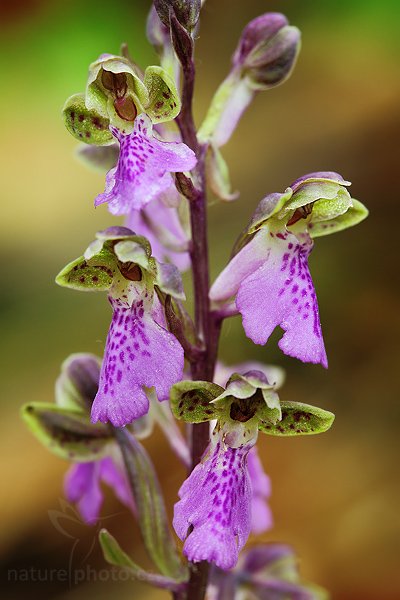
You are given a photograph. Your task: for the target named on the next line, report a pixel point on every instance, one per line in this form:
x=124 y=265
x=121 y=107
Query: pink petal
x=139 y=352
x=281 y=292
x=143 y=169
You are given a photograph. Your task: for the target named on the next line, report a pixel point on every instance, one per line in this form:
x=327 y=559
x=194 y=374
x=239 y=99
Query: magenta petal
x=261 y=516
x=161 y=226
x=216 y=500
x=81 y=486
x=143 y=169
x=250 y=258
x=281 y=292
x=138 y=353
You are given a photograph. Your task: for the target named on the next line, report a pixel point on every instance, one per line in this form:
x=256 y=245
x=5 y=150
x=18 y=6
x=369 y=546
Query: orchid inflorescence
x=159 y=364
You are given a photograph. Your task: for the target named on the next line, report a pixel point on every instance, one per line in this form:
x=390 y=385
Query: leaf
x=152 y=517
x=67 y=433
x=164 y=102
x=116 y=556
x=86 y=125
x=297 y=419
x=191 y=400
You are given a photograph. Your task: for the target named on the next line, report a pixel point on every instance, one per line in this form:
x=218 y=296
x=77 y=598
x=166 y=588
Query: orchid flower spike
x=269 y=277
x=140 y=352
x=213 y=514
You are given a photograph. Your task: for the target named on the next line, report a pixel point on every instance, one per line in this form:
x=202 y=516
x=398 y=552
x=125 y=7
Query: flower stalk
x=206 y=328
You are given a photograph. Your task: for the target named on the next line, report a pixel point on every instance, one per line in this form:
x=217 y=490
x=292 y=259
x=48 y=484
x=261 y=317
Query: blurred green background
x=335 y=498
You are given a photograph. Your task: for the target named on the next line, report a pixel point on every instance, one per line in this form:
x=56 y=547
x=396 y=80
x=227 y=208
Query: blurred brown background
x=334 y=497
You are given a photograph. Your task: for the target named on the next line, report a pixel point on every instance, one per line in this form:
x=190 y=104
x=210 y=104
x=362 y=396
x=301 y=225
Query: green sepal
x=85 y=276
x=354 y=215
x=218 y=175
x=67 y=433
x=297 y=419
x=183 y=317
x=86 y=125
x=103 y=100
x=268 y=207
x=77 y=384
x=100 y=158
x=151 y=512
x=114 y=555
x=164 y=102
x=191 y=401
x=328 y=199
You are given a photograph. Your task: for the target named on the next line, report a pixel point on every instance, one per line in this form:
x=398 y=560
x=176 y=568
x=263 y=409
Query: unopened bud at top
x=157 y=33
x=267 y=50
x=186 y=11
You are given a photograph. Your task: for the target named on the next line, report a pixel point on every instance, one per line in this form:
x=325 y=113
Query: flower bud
x=157 y=32
x=186 y=11
x=267 y=50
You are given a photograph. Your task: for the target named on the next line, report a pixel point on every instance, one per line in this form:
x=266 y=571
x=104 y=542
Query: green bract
x=152 y=516
x=117 y=557
x=218 y=175
x=86 y=124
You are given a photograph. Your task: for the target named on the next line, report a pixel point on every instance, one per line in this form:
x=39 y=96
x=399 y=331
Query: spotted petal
x=144 y=168
x=216 y=501
x=139 y=352
x=281 y=292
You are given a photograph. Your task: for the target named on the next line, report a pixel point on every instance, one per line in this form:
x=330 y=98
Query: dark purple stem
x=207 y=326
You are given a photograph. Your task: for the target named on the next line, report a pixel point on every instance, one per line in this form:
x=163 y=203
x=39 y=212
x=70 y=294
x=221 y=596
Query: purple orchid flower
x=269 y=275
x=261 y=514
x=144 y=168
x=216 y=501
x=140 y=352
x=82 y=487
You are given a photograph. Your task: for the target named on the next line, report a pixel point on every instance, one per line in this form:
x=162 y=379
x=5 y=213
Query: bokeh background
x=335 y=497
